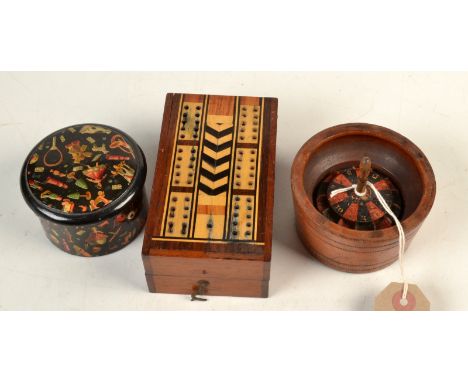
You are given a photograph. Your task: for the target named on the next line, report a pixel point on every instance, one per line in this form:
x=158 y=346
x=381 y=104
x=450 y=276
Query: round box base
x=101 y=238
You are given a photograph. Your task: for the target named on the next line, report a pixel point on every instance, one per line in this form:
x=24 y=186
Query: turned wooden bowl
x=393 y=155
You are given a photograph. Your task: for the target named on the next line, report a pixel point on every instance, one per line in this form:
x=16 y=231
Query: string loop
x=401 y=232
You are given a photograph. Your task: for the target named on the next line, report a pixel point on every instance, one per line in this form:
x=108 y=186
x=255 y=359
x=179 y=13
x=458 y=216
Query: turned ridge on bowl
x=394 y=156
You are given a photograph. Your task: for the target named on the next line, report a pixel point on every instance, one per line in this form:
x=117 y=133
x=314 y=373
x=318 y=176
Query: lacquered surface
x=85 y=182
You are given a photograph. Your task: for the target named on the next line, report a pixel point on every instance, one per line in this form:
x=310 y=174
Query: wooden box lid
x=212 y=195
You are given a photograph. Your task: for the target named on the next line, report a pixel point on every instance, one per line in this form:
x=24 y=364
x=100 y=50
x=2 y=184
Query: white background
x=246 y=35
x=431 y=109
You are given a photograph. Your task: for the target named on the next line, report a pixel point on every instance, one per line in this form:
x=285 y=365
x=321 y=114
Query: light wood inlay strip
x=260 y=143
x=163 y=224
x=198 y=165
x=203 y=240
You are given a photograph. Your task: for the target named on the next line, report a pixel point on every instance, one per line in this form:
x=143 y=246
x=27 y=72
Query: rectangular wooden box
x=211 y=210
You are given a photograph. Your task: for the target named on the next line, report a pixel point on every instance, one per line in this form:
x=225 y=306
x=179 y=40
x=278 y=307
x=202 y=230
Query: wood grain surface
x=348 y=249
x=213 y=190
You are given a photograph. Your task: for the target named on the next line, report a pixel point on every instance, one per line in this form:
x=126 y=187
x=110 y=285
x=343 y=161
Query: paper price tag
x=391 y=298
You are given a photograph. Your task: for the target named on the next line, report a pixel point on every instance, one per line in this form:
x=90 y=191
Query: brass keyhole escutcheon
x=199 y=289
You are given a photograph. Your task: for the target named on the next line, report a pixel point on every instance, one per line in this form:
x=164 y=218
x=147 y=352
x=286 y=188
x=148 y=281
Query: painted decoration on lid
x=81 y=168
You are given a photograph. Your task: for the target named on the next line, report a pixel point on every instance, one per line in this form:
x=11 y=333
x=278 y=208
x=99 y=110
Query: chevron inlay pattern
x=213 y=188
x=216 y=156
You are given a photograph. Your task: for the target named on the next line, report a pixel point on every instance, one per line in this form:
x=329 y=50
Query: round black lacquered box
x=85 y=182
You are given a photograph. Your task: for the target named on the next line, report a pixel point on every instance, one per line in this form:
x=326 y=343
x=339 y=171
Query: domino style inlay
x=213 y=189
